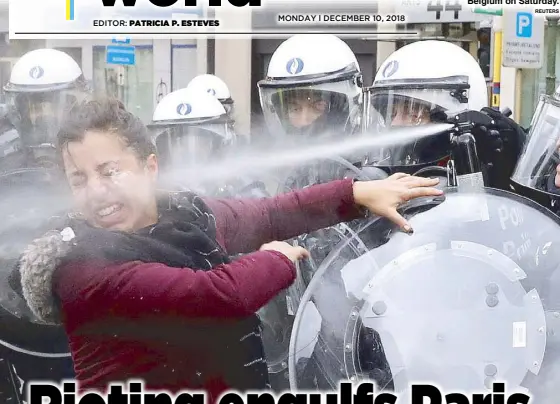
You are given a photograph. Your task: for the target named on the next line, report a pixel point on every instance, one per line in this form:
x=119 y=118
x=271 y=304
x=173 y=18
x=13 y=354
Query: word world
x=348 y=393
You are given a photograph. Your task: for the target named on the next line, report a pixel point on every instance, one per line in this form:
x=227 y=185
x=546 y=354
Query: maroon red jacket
x=95 y=296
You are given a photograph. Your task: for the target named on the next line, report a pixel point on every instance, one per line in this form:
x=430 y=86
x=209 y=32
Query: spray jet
x=301 y=153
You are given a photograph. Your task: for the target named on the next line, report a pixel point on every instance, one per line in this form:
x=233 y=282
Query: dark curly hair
x=107 y=115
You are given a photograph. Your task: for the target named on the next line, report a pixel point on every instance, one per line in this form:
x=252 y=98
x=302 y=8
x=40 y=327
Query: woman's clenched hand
x=293 y=253
x=383 y=197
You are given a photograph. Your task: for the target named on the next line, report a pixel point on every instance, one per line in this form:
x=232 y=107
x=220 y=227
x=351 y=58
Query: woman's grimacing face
x=111 y=186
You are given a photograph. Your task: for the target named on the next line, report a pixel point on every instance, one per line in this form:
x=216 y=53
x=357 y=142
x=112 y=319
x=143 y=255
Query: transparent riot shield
x=320 y=171
x=31 y=202
x=277 y=319
x=471 y=297
x=537 y=173
x=321 y=242
x=279 y=314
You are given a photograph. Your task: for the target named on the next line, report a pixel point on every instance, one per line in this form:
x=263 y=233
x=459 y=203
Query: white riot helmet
x=44 y=85
x=190 y=127
x=423 y=76
x=412 y=83
x=214 y=86
x=313 y=87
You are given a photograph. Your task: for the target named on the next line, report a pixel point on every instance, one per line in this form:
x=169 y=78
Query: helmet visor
x=312 y=111
x=398 y=103
x=183 y=146
x=538 y=166
x=38 y=116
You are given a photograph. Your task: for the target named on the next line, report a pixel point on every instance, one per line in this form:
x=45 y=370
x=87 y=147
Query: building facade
x=164 y=65
x=161 y=66
x=533 y=81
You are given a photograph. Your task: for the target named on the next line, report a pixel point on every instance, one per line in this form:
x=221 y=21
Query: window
x=133 y=85
x=534 y=84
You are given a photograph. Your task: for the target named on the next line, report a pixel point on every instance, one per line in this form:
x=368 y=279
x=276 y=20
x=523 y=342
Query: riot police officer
x=313 y=92
x=414 y=82
x=445 y=84
x=44 y=84
x=218 y=88
x=191 y=128
x=537 y=174
x=408 y=92
x=537 y=177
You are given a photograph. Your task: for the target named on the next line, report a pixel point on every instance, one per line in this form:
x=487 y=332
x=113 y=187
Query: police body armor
x=470 y=298
x=33 y=199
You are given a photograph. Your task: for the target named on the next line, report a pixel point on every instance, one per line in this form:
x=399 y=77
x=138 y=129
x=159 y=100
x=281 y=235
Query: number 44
x=450 y=5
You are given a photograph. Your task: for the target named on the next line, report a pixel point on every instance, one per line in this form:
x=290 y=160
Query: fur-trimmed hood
x=185 y=235
x=36 y=269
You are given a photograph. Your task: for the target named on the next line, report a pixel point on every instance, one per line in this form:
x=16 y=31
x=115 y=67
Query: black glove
x=511 y=139
x=511 y=132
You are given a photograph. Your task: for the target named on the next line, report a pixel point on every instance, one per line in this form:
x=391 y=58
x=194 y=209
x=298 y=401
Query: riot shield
x=277 y=319
x=32 y=200
x=321 y=242
x=278 y=315
x=471 y=297
x=320 y=171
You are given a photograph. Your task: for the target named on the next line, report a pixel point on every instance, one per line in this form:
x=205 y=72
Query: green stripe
x=487 y=10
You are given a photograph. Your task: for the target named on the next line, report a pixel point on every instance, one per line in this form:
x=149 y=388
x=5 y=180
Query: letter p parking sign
x=524 y=25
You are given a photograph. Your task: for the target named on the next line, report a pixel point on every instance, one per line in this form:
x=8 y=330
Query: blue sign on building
x=124 y=41
x=524 y=25
x=121 y=55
